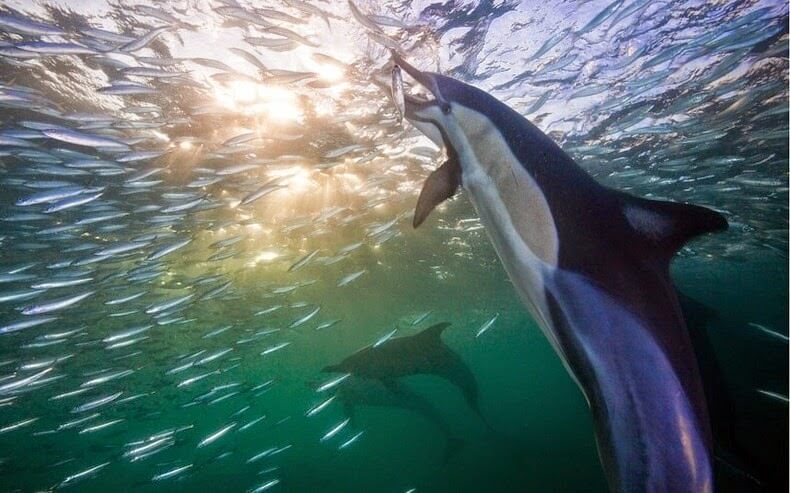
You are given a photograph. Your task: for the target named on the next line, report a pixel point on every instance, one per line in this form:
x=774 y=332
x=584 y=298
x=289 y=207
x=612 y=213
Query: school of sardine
x=187 y=187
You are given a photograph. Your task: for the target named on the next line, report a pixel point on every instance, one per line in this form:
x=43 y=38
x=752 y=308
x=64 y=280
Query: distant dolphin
x=423 y=353
x=358 y=391
x=592 y=266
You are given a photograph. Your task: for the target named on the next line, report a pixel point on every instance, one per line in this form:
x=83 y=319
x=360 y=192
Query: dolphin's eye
x=445 y=108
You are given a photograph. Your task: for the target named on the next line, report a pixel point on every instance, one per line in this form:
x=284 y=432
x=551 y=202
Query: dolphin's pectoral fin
x=440 y=186
x=670 y=225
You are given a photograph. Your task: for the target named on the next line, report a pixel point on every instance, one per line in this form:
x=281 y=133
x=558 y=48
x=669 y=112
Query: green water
x=262 y=133
x=543 y=432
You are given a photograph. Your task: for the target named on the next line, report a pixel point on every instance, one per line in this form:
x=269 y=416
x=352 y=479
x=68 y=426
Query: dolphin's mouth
x=415 y=104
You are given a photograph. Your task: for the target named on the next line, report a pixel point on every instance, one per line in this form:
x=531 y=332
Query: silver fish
x=100 y=426
x=362 y=18
x=83 y=474
x=26 y=26
x=171 y=473
x=57 y=304
x=216 y=435
x=101 y=401
x=18 y=384
x=303 y=261
x=25 y=324
x=46 y=48
x=335 y=430
x=265 y=486
x=72 y=202
x=397 y=92
x=252 y=423
x=304 y=319
x=144 y=40
x=168 y=249
x=483 y=328
x=332 y=383
x=351 y=440
x=274 y=348
x=348 y=279
x=84 y=139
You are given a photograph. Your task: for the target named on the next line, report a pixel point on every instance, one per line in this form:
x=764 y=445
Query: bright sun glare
x=276 y=103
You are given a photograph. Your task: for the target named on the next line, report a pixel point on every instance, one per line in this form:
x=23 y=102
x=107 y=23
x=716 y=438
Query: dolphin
x=422 y=353
x=359 y=391
x=591 y=264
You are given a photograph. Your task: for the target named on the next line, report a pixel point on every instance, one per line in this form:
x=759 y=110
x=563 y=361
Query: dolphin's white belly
x=515 y=214
x=526 y=271
x=518 y=221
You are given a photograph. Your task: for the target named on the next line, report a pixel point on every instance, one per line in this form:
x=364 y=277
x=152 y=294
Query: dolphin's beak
x=442 y=183
x=425 y=79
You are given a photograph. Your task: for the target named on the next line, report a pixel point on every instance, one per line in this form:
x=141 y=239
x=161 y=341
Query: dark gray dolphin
x=592 y=266
x=423 y=353
x=736 y=464
x=369 y=392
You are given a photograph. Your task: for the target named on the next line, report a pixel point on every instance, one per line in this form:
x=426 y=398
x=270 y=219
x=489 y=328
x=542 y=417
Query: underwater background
x=204 y=203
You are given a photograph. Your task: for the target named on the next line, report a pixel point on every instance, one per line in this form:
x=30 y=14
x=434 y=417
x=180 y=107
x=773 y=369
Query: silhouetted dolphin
x=359 y=391
x=592 y=266
x=741 y=470
x=423 y=353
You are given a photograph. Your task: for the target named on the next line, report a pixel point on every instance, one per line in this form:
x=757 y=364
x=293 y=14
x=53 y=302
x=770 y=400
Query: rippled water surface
x=204 y=203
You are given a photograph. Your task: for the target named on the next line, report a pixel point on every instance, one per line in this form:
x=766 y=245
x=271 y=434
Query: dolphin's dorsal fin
x=670 y=225
x=439 y=186
x=433 y=334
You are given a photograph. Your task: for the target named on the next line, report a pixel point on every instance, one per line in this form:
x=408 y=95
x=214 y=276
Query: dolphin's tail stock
x=448 y=365
x=470 y=393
